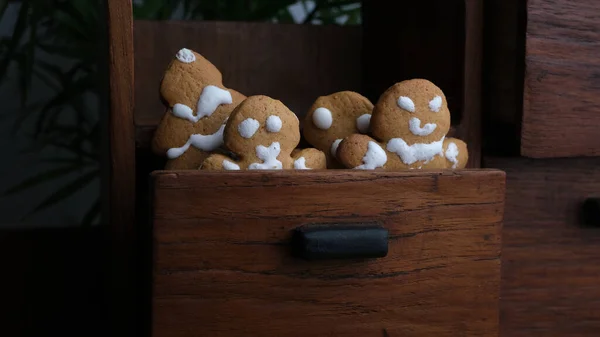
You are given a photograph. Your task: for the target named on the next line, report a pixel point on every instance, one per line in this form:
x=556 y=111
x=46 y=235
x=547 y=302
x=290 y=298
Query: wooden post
x=120 y=170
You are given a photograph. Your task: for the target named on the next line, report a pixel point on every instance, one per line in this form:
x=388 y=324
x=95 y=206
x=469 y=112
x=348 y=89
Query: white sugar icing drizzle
x=185 y=55
x=414 y=125
x=300 y=164
x=229 y=166
x=452 y=154
x=406 y=103
x=334 y=147
x=322 y=118
x=199 y=141
x=374 y=158
x=363 y=122
x=435 y=104
x=409 y=154
x=210 y=99
x=269 y=157
x=248 y=127
x=274 y=123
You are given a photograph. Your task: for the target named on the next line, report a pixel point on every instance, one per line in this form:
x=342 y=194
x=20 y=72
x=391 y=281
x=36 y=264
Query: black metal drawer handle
x=340 y=241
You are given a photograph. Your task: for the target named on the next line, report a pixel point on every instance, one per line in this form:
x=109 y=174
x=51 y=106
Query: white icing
x=248 y=127
x=269 y=157
x=452 y=154
x=406 y=103
x=199 y=141
x=374 y=158
x=410 y=154
x=322 y=118
x=435 y=104
x=414 y=125
x=184 y=112
x=334 y=147
x=230 y=166
x=363 y=122
x=209 y=101
x=274 y=123
x=300 y=164
x=185 y=55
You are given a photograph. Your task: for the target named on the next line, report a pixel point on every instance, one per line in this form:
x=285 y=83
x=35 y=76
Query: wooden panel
x=120 y=167
x=449 y=27
x=222 y=266
x=293 y=63
x=561 y=115
x=550 y=266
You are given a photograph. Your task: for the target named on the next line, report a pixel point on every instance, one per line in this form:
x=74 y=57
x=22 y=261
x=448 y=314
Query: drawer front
x=222 y=263
x=549 y=259
x=561 y=116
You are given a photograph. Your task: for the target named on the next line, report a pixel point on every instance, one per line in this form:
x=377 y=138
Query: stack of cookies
x=208 y=126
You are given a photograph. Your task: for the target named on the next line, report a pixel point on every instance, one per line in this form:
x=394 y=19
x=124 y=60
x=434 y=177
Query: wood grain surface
x=222 y=266
x=550 y=267
x=120 y=168
x=452 y=28
x=292 y=63
x=561 y=113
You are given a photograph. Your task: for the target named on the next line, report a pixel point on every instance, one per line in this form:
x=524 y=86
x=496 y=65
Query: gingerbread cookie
x=263 y=134
x=198 y=107
x=409 y=125
x=333 y=117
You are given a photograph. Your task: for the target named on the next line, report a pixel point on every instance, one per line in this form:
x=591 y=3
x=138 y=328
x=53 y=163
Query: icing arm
x=219 y=162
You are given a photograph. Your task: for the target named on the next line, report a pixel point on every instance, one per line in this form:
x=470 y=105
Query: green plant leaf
x=92 y=214
x=66 y=191
x=41 y=178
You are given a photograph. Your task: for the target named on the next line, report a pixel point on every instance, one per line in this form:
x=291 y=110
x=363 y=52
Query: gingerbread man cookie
x=409 y=125
x=198 y=107
x=263 y=133
x=333 y=117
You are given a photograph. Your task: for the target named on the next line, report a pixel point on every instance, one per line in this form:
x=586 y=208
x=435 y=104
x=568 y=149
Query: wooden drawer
x=561 y=115
x=550 y=267
x=222 y=262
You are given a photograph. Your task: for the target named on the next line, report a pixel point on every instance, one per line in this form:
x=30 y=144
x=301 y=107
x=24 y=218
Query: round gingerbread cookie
x=334 y=117
x=263 y=133
x=409 y=124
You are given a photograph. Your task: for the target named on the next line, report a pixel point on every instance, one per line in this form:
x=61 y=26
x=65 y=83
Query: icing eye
x=435 y=104
x=274 y=123
x=406 y=103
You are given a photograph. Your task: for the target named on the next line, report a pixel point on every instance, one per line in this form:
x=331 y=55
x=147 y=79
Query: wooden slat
x=121 y=167
x=293 y=63
x=222 y=266
x=561 y=114
x=550 y=263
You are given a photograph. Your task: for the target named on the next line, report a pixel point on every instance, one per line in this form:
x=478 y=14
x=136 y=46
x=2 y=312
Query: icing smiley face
x=414 y=110
x=409 y=126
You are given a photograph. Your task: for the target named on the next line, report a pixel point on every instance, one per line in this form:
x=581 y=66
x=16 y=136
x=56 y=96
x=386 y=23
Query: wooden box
x=223 y=263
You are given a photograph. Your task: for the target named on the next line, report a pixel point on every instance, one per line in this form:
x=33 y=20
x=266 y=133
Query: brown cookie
x=409 y=125
x=263 y=132
x=333 y=117
x=198 y=107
